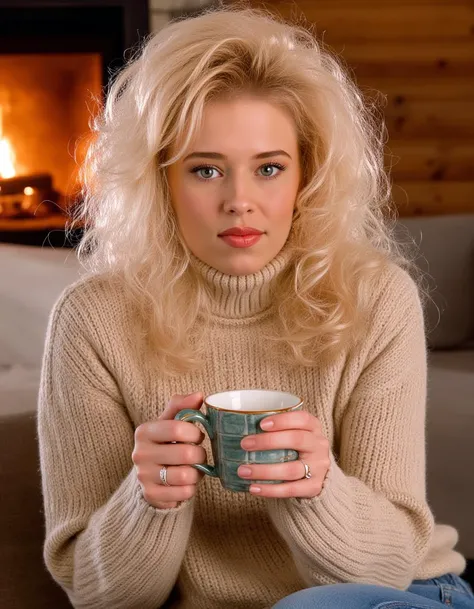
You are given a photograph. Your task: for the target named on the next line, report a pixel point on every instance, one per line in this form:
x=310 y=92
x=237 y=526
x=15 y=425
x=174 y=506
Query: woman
x=233 y=205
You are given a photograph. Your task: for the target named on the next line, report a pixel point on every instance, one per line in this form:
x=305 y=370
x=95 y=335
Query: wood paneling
x=433 y=159
x=364 y=3
x=434 y=197
x=414 y=60
x=420 y=55
x=406 y=88
x=386 y=22
x=422 y=118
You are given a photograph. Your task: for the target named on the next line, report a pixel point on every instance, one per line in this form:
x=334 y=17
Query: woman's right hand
x=153 y=450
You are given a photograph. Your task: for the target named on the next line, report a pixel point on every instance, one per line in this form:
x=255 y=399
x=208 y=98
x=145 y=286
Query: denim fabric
x=448 y=590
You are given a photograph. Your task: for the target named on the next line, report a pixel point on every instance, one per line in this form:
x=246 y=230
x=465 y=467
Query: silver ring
x=163 y=475
x=307 y=471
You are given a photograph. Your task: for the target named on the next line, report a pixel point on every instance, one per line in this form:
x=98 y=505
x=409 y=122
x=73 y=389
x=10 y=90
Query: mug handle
x=195 y=416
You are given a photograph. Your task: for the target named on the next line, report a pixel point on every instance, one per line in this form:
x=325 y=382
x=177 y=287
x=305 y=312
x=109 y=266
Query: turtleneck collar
x=239 y=297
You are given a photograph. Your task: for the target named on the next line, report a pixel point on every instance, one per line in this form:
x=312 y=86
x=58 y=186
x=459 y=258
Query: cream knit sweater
x=221 y=550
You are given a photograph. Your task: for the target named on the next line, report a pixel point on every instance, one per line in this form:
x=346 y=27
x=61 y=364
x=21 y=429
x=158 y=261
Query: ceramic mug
x=232 y=415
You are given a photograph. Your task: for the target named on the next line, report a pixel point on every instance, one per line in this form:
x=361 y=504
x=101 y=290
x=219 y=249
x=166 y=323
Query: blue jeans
x=448 y=590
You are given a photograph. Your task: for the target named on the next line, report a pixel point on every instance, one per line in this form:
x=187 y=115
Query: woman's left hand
x=300 y=431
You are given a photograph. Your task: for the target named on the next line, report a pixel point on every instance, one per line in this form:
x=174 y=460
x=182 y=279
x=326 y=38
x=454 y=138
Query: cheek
x=182 y=201
x=283 y=204
x=191 y=209
x=183 y=197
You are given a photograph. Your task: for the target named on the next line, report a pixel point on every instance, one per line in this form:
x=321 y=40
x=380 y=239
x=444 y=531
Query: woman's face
x=234 y=190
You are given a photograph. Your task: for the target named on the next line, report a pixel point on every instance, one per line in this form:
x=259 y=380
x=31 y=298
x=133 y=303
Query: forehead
x=244 y=124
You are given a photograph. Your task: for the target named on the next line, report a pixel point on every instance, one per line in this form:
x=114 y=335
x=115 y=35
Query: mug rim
x=266 y=412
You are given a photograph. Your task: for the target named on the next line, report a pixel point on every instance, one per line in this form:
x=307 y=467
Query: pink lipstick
x=241 y=236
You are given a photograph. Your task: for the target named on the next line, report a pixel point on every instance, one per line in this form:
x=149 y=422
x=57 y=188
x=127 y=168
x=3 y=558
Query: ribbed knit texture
x=221 y=550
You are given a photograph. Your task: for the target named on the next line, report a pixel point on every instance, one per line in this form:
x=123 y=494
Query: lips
x=241 y=231
x=241 y=237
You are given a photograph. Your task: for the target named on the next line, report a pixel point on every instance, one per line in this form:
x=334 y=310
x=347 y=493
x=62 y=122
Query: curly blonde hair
x=339 y=240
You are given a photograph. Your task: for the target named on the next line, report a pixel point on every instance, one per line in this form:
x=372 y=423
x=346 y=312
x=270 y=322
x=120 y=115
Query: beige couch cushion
x=31 y=279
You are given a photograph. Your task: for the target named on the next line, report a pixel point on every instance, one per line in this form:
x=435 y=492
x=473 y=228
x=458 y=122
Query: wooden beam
x=368 y=3
x=418 y=87
x=434 y=197
x=450 y=119
x=439 y=159
x=419 y=59
x=382 y=21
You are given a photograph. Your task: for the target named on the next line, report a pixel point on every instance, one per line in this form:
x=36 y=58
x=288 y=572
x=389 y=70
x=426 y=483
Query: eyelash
x=195 y=170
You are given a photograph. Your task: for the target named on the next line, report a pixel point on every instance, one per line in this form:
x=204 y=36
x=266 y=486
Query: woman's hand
x=153 y=450
x=300 y=431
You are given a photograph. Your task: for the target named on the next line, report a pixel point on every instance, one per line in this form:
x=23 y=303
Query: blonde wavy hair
x=339 y=239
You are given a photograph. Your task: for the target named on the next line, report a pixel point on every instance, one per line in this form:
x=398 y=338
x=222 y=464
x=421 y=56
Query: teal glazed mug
x=232 y=415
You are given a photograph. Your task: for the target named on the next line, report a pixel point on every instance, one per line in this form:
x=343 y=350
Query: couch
x=32 y=278
x=445 y=254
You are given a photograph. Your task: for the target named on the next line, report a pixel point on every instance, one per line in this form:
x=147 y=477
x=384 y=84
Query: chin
x=241 y=265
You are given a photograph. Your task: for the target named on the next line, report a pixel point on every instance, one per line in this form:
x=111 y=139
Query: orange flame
x=7 y=156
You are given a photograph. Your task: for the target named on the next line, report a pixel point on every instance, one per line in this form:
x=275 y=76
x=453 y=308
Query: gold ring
x=307 y=471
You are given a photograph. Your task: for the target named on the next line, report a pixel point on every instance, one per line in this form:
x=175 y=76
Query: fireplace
x=56 y=59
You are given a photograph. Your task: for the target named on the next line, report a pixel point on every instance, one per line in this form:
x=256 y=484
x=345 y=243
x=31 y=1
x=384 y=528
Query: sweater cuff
x=130 y=492
x=142 y=504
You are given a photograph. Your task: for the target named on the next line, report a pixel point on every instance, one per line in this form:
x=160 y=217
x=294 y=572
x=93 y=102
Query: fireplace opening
x=45 y=105
x=55 y=63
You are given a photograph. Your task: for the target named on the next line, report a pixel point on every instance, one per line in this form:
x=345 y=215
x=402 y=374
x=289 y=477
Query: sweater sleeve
x=371 y=522
x=105 y=545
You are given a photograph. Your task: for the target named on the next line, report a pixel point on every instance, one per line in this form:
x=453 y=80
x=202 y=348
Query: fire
x=7 y=156
x=7 y=159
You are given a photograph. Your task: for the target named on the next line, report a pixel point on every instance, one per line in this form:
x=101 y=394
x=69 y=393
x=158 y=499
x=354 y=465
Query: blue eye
x=267 y=171
x=271 y=166
x=204 y=172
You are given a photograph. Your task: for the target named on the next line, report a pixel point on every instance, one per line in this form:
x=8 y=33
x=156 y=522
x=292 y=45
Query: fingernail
x=248 y=443
x=255 y=489
x=244 y=471
x=192 y=397
x=266 y=424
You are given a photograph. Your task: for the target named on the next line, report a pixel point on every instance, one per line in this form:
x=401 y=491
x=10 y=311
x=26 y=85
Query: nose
x=237 y=200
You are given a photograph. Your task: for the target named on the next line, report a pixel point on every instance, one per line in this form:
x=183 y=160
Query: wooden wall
x=420 y=54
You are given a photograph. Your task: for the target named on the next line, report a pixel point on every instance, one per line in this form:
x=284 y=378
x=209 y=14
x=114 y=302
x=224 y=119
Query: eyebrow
x=222 y=157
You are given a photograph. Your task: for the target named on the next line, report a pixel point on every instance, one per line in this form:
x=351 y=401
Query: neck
x=242 y=296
